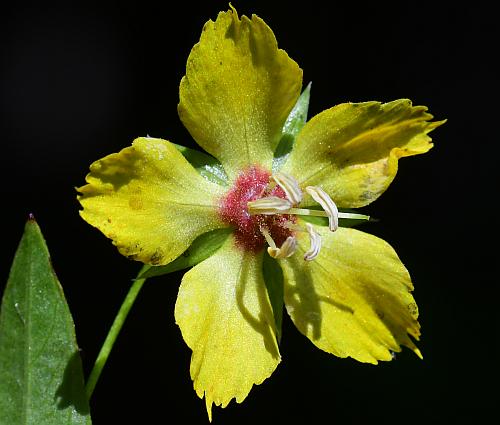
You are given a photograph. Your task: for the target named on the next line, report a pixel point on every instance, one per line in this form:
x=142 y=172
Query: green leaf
x=293 y=124
x=201 y=248
x=41 y=379
x=273 y=276
x=205 y=164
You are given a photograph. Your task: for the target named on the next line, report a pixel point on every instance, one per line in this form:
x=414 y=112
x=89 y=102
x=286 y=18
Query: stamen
x=269 y=205
x=315 y=239
x=268 y=237
x=322 y=198
x=287 y=249
x=290 y=186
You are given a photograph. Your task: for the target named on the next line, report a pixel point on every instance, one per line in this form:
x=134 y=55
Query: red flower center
x=253 y=184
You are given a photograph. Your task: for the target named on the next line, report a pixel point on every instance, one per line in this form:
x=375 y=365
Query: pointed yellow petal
x=226 y=318
x=352 y=149
x=354 y=299
x=149 y=200
x=238 y=90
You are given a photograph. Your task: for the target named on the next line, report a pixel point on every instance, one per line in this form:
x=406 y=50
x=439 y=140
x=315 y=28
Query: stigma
x=263 y=209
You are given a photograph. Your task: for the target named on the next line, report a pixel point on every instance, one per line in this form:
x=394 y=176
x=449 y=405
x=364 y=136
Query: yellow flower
x=345 y=290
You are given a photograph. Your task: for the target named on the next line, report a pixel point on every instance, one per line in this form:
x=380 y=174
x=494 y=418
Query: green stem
x=113 y=333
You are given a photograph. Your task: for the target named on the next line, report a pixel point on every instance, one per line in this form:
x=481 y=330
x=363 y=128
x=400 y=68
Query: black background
x=80 y=80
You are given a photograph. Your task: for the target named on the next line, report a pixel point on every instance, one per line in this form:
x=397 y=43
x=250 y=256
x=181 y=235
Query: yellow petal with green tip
x=238 y=90
x=354 y=299
x=226 y=318
x=352 y=149
x=149 y=200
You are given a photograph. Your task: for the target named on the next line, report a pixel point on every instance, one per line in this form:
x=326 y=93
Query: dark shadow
x=257 y=54
x=232 y=31
x=380 y=129
x=71 y=392
x=260 y=323
x=397 y=316
x=304 y=299
x=399 y=319
x=114 y=171
x=273 y=278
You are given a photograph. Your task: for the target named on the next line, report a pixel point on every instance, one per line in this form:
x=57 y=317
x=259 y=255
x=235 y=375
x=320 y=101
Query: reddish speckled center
x=250 y=185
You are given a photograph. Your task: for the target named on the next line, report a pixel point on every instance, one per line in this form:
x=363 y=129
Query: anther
x=322 y=198
x=286 y=250
x=269 y=205
x=290 y=186
x=315 y=240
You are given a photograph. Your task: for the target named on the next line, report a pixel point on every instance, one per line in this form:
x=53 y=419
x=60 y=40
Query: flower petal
x=352 y=149
x=149 y=200
x=238 y=90
x=226 y=318
x=354 y=299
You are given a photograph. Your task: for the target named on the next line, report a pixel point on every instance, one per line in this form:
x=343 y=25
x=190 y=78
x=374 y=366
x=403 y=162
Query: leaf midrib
x=28 y=326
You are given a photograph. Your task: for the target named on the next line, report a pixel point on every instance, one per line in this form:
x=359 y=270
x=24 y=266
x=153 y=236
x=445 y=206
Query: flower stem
x=113 y=333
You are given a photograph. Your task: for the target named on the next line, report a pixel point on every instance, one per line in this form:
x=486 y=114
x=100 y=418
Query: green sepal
x=273 y=276
x=350 y=222
x=205 y=164
x=201 y=248
x=41 y=378
x=318 y=221
x=293 y=124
